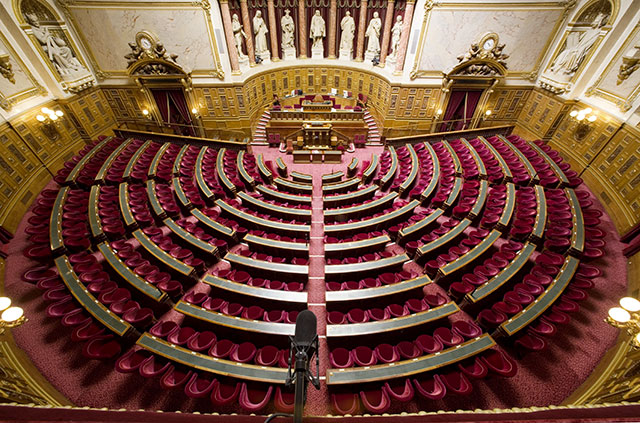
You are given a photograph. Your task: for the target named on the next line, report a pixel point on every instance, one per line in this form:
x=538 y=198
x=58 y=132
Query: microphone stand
x=302 y=374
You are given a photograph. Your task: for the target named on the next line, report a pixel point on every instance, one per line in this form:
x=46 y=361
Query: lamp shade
x=5 y=302
x=619 y=314
x=630 y=304
x=12 y=314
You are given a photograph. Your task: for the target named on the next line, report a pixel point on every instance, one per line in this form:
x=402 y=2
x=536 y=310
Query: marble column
x=389 y=20
x=228 y=34
x=273 y=34
x=333 y=16
x=246 y=23
x=362 y=25
x=302 y=30
x=404 y=37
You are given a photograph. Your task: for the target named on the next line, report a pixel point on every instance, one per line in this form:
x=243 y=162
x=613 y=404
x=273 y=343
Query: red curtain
x=180 y=103
x=455 y=100
x=162 y=102
x=473 y=97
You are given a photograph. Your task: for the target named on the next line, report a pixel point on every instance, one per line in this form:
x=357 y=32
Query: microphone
x=306 y=328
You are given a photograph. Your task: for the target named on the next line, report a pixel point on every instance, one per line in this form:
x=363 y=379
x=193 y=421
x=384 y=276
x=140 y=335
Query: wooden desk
x=273 y=209
x=134 y=159
x=73 y=175
x=367 y=209
x=202 y=184
x=353 y=167
x=405 y=368
x=377 y=292
x=552 y=164
x=435 y=177
x=237 y=323
x=191 y=241
x=283 y=196
x=372 y=224
x=509 y=207
x=411 y=178
x=130 y=276
x=125 y=210
x=153 y=168
x=282 y=167
x=220 y=230
x=178 y=160
x=387 y=178
x=534 y=310
x=95 y=223
x=370 y=171
x=293 y=187
x=482 y=198
x=207 y=363
x=341 y=271
x=255 y=292
x=335 y=176
x=454 y=233
x=265 y=224
x=456 y=160
x=416 y=230
x=345 y=199
x=523 y=159
x=292 y=270
x=578 y=233
x=302 y=178
x=102 y=173
x=482 y=170
x=508 y=176
x=453 y=196
x=162 y=256
x=470 y=256
x=340 y=249
x=56 y=241
x=340 y=187
x=280 y=248
x=154 y=202
x=397 y=323
x=541 y=215
x=222 y=176
x=183 y=200
x=98 y=310
x=493 y=284
x=264 y=170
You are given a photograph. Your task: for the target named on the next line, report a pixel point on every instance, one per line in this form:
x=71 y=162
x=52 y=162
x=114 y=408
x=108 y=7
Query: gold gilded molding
x=430 y=5
x=36 y=90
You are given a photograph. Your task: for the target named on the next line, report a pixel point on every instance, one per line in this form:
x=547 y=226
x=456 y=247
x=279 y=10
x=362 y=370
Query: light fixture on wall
x=627 y=316
x=584 y=118
x=10 y=317
x=146 y=114
x=195 y=112
x=48 y=120
x=487 y=114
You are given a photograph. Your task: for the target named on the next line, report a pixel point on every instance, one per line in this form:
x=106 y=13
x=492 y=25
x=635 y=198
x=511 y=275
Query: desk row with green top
x=482 y=170
x=376 y=267
x=506 y=171
x=442 y=241
x=102 y=173
x=177 y=266
x=370 y=170
x=274 y=209
x=374 y=223
x=564 y=181
x=263 y=224
x=283 y=197
x=334 y=177
x=191 y=241
x=222 y=175
x=302 y=178
x=454 y=156
x=126 y=175
x=56 y=241
x=387 y=178
x=153 y=167
x=242 y=171
x=366 y=209
x=299 y=272
x=95 y=223
x=264 y=171
x=470 y=256
x=533 y=175
x=75 y=172
x=430 y=189
x=348 y=198
x=341 y=186
x=277 y=247
x=413 y=174
x=293 y=187
x=377 y=292
x=204 y=188
x=357 y=247
x=125 y=209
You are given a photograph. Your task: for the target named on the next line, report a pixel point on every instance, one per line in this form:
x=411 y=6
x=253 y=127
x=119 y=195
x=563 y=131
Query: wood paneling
x=540 y=111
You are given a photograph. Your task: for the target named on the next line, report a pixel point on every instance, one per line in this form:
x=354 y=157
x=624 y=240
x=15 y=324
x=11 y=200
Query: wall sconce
x=49 y=119
x=627 y=316
x=146 y=114
x=195 y=112
x=487 y=114
x=11 y=316
x=630 y=63
x=584 y=118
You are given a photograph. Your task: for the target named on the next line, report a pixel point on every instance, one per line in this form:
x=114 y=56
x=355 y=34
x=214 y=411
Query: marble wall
x=526 y=30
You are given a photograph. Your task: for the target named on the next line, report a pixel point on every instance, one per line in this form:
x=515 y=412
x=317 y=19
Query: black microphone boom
x=304 y=345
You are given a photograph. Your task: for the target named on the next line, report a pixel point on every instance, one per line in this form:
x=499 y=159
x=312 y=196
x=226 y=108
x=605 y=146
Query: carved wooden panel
x=506 y=103
x=92 y=112
x=539 y=112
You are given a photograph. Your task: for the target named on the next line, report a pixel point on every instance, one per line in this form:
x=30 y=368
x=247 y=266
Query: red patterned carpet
x=543 y=378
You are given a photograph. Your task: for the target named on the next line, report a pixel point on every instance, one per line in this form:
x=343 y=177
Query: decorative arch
x=588 y=12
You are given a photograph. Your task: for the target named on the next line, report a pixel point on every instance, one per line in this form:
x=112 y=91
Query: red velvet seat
x=155 y=366
x=223 y=348
x=132 y=360
x=203 y=341
x=244 y=353
x=430 y=388
x=408 y=350
x=175 y=376
x=340 y=358
x=531 y=342
x=364 y=356
x=457 y=383
x=447 y=337
x=101 y=348
x=267 y=356
x=375 y=401
x=253 y=398
x=283 y=400
x=386 y=353
x=199 y=386
x=473 y=367
x=499 y=363
x=86 y=332
x=399 y=389
x=345 y=403
x=223 y=394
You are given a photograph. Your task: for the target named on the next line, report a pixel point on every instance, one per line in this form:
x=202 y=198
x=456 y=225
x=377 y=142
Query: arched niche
x=53 y=43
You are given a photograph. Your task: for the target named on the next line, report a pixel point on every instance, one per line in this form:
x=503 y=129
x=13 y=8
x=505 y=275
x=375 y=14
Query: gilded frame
x=7 y=102
x=102 y=74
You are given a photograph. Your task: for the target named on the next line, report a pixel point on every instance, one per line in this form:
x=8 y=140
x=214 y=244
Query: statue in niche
x=60 y=55
x=396 y=32
x=373 y=32
x=260 y=31
x=317 y=31
x=348 y=26
x=288 y=43
x=577 y=46
x=238 y=35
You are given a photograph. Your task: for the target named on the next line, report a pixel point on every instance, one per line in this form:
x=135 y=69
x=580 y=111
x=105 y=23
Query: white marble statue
x=60 y=55
x=396 y=32
x=348 y=26
x=288 y=26
x=577 y=47
x=317 y=30
x=238 y=35
x=373 y=32
x=260 y=32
